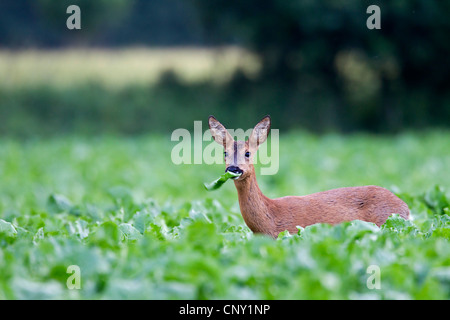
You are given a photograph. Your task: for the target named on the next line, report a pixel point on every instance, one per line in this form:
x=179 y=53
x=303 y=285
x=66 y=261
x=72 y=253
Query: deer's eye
x=225 y=154
x=247 y=154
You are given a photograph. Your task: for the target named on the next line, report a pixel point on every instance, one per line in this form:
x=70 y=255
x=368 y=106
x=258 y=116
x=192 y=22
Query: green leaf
x=141 y=219
x=58 y=203
x=107 y=235
x=443 y=232
x=284 y=235
x=397 y=224
x=78 y=228
x=7 y=228
x=39 y=235
x=216 y=184
x=436 y=199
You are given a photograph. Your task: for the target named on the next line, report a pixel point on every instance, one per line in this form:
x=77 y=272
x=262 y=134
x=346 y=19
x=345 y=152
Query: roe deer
x=271 y=216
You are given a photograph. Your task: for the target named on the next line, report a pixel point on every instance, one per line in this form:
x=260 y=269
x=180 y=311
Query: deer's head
x=239 y=154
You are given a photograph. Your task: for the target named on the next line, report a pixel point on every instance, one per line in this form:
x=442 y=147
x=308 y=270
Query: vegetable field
x=136 y=226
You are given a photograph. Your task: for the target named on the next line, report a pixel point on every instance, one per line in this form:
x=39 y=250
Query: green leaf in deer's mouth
x=216 y=184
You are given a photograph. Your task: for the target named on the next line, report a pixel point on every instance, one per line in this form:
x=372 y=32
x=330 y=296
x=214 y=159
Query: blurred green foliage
x=141 y=227
x=42 y=23
x=321 y=68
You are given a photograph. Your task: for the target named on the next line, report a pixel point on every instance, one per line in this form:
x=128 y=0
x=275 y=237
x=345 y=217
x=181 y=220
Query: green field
x=138 y=226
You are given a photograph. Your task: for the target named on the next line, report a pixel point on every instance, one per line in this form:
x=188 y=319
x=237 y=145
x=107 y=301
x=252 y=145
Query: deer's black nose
x=234 y=170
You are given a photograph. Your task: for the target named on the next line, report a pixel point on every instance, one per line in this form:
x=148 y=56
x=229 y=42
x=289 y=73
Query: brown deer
x=272 y=216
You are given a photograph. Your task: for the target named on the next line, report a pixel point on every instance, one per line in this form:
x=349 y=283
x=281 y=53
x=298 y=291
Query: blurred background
x=153 y=66
x=86 y=117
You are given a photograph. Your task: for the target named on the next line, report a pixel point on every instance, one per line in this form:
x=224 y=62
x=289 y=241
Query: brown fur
x=272 y=216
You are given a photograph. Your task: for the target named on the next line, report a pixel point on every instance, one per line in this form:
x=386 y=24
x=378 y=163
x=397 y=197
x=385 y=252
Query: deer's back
x=368 y=203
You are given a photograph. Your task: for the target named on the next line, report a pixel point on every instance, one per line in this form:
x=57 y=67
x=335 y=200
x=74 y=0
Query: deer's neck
x=254 y=205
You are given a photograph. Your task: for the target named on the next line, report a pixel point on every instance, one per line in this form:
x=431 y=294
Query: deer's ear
x=260 y=132
x=219 y=132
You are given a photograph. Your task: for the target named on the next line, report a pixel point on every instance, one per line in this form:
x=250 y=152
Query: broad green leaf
x=141 y=219
x=216 y=184
x=79 y=228
x=437 y=200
